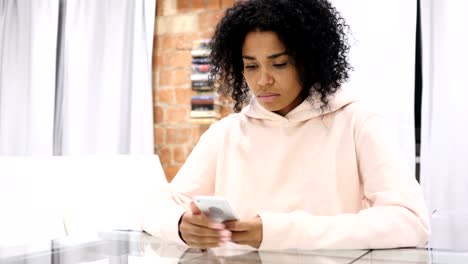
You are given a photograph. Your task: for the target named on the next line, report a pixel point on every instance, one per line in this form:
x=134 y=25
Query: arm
x=197 y=176
x=397 y=216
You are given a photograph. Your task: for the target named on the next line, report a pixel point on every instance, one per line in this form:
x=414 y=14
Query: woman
x=302 y=162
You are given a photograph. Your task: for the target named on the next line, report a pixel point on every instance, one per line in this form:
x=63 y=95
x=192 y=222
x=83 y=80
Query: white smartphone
x=216 y=208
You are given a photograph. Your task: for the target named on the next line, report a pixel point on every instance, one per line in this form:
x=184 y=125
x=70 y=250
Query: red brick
x=159 y=9
x=189 y=149
x=198 y=4
x=165 y=77
x=227 y=3
x=183 y=96
x=165 y=59
x=162 y=77
x=207 y=34
x=178 y=135
x=180 y=59
x=213 y=4
x=185 y=41
x=197 y=133
x=166 y=42
x=158 y=115
x=201 y=130
x=180 y=77
x=179 y=155
x=208 y=20
x=159 y=136
x=165 y=96
x=158 y=62
x=171 y=171
x=177 y=77
x=165 y=155
x=154 y=81
x=183 y=6
x=155 y=43
x=177 y=115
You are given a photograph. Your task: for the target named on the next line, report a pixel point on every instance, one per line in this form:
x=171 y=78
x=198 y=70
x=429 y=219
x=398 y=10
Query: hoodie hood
x=308 y=109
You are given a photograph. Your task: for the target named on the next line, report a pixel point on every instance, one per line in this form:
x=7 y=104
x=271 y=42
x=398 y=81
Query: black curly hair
x=312 y=31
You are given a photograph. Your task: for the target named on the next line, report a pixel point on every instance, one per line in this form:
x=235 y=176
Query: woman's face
x=270 y=72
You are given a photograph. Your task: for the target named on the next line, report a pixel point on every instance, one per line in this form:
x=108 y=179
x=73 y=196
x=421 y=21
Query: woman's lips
x=267 y=97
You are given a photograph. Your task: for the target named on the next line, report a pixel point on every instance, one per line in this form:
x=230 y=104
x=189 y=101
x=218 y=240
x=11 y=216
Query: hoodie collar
x=308 y=109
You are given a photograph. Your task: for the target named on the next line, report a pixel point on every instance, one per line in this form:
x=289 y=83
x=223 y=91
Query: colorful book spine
x=204 y=103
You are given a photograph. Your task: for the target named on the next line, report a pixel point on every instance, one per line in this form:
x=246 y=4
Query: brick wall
x=178 y=24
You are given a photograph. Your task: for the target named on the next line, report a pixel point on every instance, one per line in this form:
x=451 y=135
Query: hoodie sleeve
x=196 y=177
x=397 y=215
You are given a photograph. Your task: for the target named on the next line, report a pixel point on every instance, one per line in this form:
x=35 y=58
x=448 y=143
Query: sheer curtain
x=383 y=41
x=75 y=77
x=104 y=104
x=444 y=140
x=28 y=38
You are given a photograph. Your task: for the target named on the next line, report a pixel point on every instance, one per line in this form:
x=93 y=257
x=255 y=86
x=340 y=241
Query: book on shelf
x=201 y=48
x=202 y=87
x=204 y=105
x=202 y=101
x=200 y=68
x=199 y=77
x=200 y=60
x=203 y=109
x=207 y=107
x=199 y=53
x=199 y=85
x=212 y=96
x=201 y=44
x=205 y=114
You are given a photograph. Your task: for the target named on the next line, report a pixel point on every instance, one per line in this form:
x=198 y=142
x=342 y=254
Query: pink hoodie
x=318 y=180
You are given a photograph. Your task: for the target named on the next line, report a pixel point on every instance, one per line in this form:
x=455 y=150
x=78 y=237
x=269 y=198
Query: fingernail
x=217 y=226
x=225 y=233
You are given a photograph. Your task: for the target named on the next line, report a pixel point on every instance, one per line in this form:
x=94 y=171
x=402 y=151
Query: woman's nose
x=265 y=79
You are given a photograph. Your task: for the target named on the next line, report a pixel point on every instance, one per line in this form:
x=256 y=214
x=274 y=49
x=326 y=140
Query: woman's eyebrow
x=245 y=57
x=274 y=56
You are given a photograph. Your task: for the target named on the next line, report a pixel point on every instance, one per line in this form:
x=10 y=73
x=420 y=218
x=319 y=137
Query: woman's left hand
x=246 y=232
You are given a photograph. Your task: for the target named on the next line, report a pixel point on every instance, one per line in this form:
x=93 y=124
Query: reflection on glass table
x=449 y=230
x=408 y=256
x=136 y=247
x=121 y=247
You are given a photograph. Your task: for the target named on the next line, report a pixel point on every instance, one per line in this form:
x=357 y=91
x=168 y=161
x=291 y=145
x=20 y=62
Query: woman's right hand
x=198 y=231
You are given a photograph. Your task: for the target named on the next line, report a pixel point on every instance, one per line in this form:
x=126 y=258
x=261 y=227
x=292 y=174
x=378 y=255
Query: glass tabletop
x=119 y=247
x=123 y=247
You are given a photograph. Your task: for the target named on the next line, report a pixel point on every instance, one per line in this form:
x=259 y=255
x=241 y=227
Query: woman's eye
x=251 y=67
x=280 y=65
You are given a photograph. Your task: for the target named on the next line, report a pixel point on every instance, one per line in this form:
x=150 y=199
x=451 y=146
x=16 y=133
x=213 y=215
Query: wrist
x=178 y=228
x=259 y=237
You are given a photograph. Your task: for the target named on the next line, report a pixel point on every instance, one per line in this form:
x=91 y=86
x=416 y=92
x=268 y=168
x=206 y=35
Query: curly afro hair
x=312 y=31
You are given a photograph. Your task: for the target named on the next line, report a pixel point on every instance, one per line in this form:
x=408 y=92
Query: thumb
x=194 y=209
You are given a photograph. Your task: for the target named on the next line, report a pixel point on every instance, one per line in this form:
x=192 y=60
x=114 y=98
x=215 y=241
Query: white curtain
x=75 y=77
x=383 y=41
x=28 y=38
x=444 y=138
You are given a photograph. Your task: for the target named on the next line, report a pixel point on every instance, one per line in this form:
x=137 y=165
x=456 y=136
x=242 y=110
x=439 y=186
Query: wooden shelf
x=203 y=121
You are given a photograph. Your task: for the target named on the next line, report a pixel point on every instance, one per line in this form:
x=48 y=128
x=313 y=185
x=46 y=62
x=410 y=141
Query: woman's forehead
x=264 y=44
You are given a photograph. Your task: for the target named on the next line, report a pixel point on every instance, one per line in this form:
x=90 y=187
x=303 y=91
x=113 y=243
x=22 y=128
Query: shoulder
x=357 y=117
x=351 y=107
x=225 y=123
x=370 y=123
x=359 y=112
